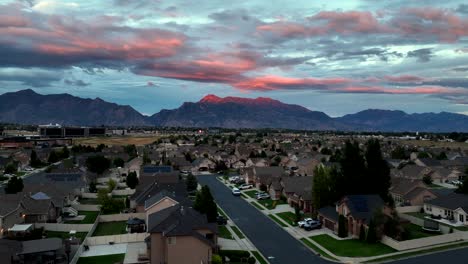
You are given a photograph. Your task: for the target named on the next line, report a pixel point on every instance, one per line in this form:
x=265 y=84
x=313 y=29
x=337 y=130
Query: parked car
x=312 y=226
x=221 y=220
x=305 y=221
x=456 y=182
x=236 y=192
x=233 y=179
x=263 y=196
x=245 y=186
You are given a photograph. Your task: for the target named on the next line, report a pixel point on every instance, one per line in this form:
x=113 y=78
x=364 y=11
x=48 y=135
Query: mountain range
x=29 y=107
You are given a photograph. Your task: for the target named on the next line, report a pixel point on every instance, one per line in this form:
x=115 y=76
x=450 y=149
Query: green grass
x=20 y=173
x=251 y=193
x=90 y=217
x=65 y=235
x=317 y=249
x=420 y=252
x=277 y=220
x=259 y=207
x=237 y=231
x=351 y=247
x=110 y=228
x=416 y=231
x=289 y=217
x=259 y=257
x=106 y=259
x=224 y=232
x=270 y=204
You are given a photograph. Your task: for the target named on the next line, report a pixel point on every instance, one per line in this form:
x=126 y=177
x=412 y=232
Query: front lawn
x=351 y=247
x=90 y=217
x=288 y=217
x=277 y=220
x=106 y=259
x=221 y=212
x=316 y=249
x=270 y=204
x=416 y=231
x=259 y=257
x=110 y=228
x=224 y=232
x=251 y=193
x=65 y=235
x=237 y=231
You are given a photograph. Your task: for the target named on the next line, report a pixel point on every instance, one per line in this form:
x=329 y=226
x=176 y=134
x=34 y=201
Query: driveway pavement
x=270 y=239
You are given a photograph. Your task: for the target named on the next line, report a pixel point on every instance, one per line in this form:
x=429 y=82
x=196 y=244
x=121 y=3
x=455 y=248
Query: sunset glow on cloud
x=134 y=51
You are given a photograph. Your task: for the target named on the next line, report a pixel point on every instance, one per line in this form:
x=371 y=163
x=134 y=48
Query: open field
x=117 y=140
x=437 y=144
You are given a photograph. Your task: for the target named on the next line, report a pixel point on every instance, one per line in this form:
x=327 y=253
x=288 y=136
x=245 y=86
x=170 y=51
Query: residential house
x=408 y=192
x=12 y=211
x=357 y=209
x=306 y=166
x=453 y=207
x=146 y=190
x=298 y=191
x=181 y=235
x=202 y=164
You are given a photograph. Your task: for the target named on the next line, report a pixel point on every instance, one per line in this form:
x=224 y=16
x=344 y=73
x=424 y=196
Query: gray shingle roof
x=451 y=201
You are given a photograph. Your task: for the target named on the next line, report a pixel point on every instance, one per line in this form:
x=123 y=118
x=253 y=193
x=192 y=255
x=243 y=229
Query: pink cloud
x=405 y=79
x=350 y=22
x=271 y=82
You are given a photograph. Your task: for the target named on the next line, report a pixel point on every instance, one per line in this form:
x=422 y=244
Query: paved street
x=275 y=243
x=459 y=256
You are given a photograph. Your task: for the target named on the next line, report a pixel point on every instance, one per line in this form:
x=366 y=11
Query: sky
x=338 y=57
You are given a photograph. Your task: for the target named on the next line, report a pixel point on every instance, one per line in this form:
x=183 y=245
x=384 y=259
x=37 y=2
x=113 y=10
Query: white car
x=236 y=192
x=457 y=182
x=245 y=186
x=305 y=221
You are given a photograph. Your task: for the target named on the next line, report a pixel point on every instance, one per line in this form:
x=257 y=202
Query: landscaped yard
x=110 y=228
x=65 y=235
x=251 y=193
x=416 y=231
x=259 y=207
x=276 y=219
x=351 y=247
x=224 y=232
x=316 y=249
x=90 y=217
x=237 y=231
x=289 y=217
x=106 y=259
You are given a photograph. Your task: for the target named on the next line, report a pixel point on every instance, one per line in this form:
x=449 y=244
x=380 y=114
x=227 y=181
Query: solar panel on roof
x=156 y=169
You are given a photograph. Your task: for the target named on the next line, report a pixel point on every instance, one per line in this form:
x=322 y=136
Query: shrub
x=216 y=259
x=342 y=226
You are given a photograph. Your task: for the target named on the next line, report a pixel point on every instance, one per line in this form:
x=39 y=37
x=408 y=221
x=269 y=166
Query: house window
x=429 y=208
x=462 y=218
x=171 y=240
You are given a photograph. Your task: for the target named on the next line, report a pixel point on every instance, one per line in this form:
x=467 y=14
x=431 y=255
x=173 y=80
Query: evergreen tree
x=371 y=232
x=362 y=233
x=34 y=160
x=342 y=232
x=132 y=180
x=119 y=162
x=191 y=183
x=378 y=173
x=97 y=164
x=353 y=169
x=65 y=153
x=53 y=157
x=205 y=204
x=14 y=185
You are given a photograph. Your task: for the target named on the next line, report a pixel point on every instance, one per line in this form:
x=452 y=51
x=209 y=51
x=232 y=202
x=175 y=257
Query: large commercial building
x=55 y=131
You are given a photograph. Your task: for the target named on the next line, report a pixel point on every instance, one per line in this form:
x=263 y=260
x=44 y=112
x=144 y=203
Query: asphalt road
x=458 y=256
x=270 y=239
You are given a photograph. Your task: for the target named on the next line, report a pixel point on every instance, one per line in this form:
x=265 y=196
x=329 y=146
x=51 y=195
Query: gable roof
x=363 y=206
x=451 y=201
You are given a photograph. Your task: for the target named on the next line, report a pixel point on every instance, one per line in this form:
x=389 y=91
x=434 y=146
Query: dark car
x=221 y=220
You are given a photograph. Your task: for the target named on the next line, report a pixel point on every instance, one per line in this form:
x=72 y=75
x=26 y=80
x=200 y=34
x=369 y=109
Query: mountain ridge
x=29 y=107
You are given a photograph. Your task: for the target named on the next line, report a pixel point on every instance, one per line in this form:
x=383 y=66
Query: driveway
x=274 y=242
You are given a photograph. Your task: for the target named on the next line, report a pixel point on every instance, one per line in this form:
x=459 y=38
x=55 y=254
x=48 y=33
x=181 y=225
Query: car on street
x=221 y=220
x=312 y=225
x=236 y=192
x=245 y=186
x=263 y=196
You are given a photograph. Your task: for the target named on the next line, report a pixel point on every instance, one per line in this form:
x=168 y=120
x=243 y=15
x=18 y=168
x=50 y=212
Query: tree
x=371 y=232
x=441 y=156
x=11 y=168
x=132 y=179
x=53 y=157
x=263 y=187
x=111 y=184
x=14 y=185
x=191 y=183
x=353 y=169
x=205 y=204
x=97 y=164
x=362 y=233
x=320 y=187
x=297 y=213
x=146 y=159
x=423 y=155
x=34 y=161
x=427 y=179
x=399 y=153
x=342 y=232
x=92 y=187
x=463 y=188
x=65 y=153
x=378 y=173
x=119 y=162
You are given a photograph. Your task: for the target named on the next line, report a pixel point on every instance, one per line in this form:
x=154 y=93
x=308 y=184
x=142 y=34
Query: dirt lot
x=438 y=144
x=116 y=141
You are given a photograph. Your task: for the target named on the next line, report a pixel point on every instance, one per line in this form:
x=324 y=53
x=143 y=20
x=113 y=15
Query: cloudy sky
x=334 y=56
